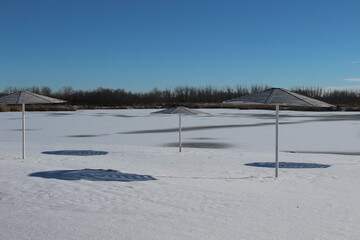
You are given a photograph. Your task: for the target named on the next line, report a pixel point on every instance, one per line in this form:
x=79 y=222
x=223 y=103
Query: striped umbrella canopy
x=25 y=97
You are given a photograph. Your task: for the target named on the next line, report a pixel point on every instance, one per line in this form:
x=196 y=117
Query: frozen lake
x=117 y=174
x=222 y=129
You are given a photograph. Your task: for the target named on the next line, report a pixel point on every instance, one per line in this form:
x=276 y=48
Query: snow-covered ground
x=117 y=174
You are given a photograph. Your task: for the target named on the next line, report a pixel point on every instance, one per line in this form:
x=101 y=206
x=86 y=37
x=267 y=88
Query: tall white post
x=23 y=131
x=179 y=132
x=277 y=143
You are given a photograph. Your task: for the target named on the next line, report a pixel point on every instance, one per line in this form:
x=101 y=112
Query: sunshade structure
x=25 y=97
x=180 y=111
x=278 y=97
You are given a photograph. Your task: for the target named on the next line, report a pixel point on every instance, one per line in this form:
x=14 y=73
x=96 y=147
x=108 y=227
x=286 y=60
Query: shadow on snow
x=86 y=135
x=76 y=152
x=93 y=175
x=200 y=145
x=287 y=165
x=327 y=152
x=325 y=118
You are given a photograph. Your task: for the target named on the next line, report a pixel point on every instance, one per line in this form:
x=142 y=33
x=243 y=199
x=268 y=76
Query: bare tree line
x=335 y=97
x=179 y=95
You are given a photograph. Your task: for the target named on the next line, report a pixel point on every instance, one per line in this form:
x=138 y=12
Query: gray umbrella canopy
x=25 y=97
x=180 y=111
x=278 y=97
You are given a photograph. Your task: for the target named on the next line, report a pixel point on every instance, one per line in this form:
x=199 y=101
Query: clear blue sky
x=141 y=44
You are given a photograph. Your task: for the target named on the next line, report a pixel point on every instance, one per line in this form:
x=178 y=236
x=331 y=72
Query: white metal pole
x=179 y=132
x=277 y=143
x=23 y=131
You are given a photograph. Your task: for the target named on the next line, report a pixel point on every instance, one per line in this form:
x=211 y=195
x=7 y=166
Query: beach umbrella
x=278 y=97
x=180 y=111
x=25 y=97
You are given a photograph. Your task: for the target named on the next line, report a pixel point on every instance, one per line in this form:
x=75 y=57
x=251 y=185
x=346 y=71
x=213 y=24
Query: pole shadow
x=87 y=135
x=287 y=165
x=327 y=152
x=76 y=152
x=93 y=175
x=214 y=145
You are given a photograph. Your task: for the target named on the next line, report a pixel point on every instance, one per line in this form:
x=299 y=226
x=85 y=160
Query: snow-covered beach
x=117 y=174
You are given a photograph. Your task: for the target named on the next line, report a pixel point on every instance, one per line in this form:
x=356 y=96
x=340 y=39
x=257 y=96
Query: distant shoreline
x=16 y=108
x=192 y=97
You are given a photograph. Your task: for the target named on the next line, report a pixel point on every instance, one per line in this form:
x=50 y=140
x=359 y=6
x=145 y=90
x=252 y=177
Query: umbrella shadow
x=123 y=116
x=76 y=152
x=287 y=165
x=60 y=114
x=92 y=175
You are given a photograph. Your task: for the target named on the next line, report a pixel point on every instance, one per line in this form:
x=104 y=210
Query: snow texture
x=117 y=174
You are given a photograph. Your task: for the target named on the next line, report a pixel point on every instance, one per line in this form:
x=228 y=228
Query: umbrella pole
x=23 y=131
x=179 y=132
x=277 y=143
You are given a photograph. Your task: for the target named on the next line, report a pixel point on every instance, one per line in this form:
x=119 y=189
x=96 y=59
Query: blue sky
x=141 y=44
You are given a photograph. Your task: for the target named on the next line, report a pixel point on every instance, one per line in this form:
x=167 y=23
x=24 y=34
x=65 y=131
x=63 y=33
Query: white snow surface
x=117 y=174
